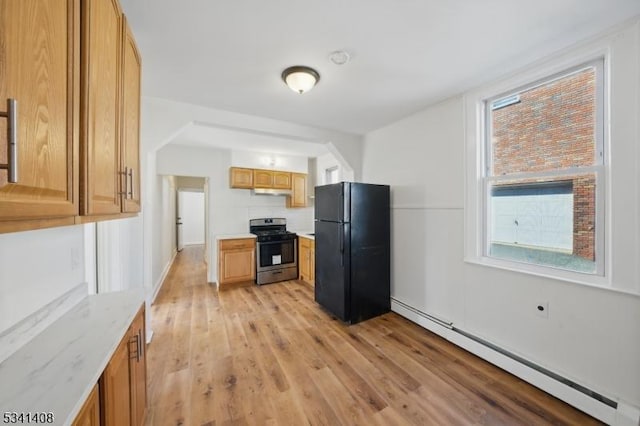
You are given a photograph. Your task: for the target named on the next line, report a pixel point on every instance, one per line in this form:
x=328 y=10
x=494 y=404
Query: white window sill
x=589 y=280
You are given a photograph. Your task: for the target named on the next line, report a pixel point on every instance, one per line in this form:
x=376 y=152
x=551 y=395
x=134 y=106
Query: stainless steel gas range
x=276 y=250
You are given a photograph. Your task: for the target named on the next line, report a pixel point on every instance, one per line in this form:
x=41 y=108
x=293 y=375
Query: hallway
x=269 y=355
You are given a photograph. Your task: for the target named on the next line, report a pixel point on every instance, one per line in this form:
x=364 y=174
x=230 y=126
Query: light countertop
x=306 y=235
x=235 y=236
x=58 y=368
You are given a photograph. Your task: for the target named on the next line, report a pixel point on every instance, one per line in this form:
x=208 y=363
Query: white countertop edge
x=306 y=235
x=57 y=370
x=234 y=236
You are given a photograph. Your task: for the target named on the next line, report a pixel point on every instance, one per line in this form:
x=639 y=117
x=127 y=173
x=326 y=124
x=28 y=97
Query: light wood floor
x=270 y=356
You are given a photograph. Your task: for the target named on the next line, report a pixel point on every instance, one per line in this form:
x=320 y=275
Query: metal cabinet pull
x=137 y=342
x=140 y=343
x=126 y=184
x=131 y=183
x=12 y=140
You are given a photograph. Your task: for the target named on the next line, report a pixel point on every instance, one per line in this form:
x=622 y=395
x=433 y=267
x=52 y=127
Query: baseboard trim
x=624 y=415
x=163 y=276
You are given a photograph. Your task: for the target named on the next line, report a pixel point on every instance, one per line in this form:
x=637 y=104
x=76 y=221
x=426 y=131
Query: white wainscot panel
x=426 y=260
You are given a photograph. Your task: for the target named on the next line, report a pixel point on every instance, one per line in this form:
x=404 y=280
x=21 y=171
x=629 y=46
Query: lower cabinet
x=121 y=397
x=307 y=259
x=115 y=391
x=90 y=412
x=236 y=261
x=138 y=369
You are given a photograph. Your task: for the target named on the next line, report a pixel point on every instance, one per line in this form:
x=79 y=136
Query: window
x=542 y=173
x=332 y=175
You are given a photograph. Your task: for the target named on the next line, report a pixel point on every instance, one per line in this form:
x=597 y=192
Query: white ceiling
x=406 y=54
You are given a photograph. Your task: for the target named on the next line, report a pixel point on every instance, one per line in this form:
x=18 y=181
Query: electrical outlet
x=542 y=309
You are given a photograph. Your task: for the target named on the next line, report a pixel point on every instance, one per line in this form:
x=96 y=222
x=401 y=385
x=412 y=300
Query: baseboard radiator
x=456 y=335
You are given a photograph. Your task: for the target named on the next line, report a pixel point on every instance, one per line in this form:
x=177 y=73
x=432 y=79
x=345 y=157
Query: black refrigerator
x=352 y=244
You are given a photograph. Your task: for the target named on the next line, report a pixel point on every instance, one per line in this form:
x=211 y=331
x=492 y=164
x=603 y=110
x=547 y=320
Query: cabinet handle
x=137 y=341
x=140 y=344
x=126 y=183
x=12 y=140
x=131 y=183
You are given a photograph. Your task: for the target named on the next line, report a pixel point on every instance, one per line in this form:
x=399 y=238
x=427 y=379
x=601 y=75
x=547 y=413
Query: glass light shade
x=300 y=79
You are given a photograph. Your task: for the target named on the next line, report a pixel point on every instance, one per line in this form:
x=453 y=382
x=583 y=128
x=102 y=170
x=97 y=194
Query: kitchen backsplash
x=297 y=219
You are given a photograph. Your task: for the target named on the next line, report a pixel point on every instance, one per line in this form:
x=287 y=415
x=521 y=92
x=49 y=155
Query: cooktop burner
x=270 y=229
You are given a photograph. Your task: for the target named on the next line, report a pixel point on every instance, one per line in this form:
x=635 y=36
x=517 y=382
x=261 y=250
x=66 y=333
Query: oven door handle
x=264 y=243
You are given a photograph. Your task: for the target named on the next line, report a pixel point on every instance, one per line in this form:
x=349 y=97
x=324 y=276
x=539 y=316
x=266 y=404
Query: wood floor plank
x=269 y=355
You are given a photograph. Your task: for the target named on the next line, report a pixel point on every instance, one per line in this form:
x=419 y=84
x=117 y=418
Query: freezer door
x=332 y=266
x=332 y=202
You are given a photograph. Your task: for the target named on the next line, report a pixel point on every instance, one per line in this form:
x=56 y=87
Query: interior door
x=179 y=223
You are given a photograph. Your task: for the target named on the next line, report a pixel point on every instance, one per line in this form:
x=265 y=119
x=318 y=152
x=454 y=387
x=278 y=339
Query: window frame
x=477 y=202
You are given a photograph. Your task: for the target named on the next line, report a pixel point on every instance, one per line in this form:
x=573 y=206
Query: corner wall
x=592 y=335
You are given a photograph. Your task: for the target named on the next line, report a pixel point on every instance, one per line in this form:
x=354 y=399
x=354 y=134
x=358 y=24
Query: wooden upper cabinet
x=39 y=68
x=131 y=69
x=298 y=197
x=101 y=178
x=282 y=180
x=240 y=178
x=262 y=178
x=258 y=178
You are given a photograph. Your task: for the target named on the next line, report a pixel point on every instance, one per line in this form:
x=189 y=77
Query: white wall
x=163 y=221
x=229 y=209
x=592 y=335
x=261 y=160
x=327 y=161
x=191 y=211
x=37 y=267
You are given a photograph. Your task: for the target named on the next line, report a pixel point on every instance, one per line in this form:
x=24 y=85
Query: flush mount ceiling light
x=300 y=79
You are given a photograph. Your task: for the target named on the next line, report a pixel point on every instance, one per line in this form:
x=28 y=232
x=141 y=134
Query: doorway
x=191 y=212
x=190 y=218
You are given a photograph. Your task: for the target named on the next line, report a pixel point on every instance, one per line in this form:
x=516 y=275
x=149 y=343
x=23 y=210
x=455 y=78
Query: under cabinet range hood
x=272 y=191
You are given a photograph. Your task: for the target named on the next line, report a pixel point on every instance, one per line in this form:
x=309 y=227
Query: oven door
x=276 y=255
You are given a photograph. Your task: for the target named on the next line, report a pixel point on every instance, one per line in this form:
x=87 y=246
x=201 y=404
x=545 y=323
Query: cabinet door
x=303 y=258
x=131 y=66
x=115 y=392
x=236 y=265
x=138 y=369
x=39 y=68
x=282 y=180
x=89 y=414
x=298 y=198
x=100 y=131
x=262 y=178
x=312 y=262
x=241 y=178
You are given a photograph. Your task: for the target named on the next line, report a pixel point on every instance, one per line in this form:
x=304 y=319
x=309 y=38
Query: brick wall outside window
x=553 y=127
